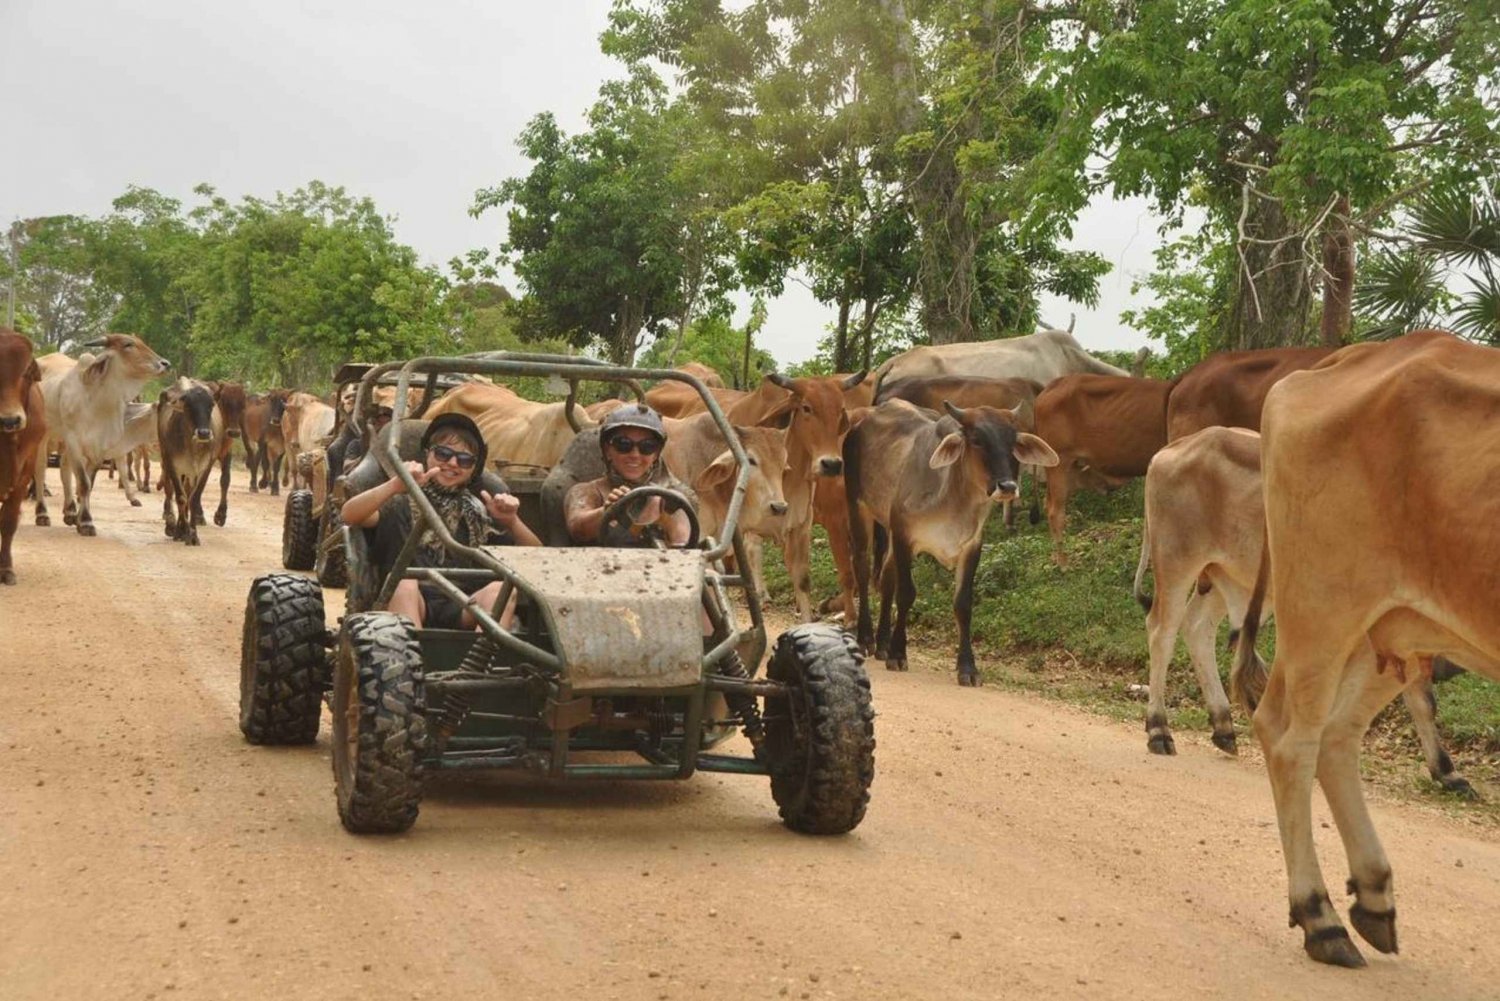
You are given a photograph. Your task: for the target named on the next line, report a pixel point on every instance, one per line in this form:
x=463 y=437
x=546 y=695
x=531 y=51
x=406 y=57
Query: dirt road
x=1013 y=847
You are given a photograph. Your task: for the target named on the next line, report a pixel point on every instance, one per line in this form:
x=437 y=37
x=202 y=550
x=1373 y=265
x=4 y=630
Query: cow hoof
x=1332 y=946
x=1226 y=742
x=43 y=521
x=219 y=518
x=191 y=540
x=135 y=502
x=1376 y=927
x=170 y=530
x=198 y=520
x=70 y=519
x=1161 y=743
x=7 y=576
x=1459 y=786
x=970 y=680
x=87 y=530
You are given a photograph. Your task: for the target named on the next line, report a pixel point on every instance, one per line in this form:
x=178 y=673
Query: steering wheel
x=616 y=514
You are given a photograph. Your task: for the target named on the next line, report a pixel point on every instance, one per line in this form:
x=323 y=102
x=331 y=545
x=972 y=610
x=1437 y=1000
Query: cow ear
x=97 y=369
x=721 y=470
x=1031 y=449
x=948 y=451
x=781 y=417
x=34 y=371
x=843 y=422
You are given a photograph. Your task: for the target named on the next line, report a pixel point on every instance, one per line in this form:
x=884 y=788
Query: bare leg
x=408 y=601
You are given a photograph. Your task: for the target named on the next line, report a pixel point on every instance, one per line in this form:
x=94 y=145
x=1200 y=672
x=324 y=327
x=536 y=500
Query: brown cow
x=1205 y=523
x=265 y=443
x=1105 y=429
x=515 y=429
x=930 y=482
x=1380 y=471
x=1229 y=389
x=23 y=430
x=231 y=400
x=812 y=410
x=191 y=431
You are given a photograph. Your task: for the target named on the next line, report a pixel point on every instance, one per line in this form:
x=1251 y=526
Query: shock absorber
x=447 y=720
x=743 y=704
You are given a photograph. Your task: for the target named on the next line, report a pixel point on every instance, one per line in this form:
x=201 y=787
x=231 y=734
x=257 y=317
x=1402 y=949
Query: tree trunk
x=867 y=332
x=841 y=338
x=1274 y=309
x=1338 y=276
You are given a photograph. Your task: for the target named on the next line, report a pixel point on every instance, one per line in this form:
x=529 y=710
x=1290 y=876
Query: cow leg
x=39 y=482
x=169 y=510
x=10 y=519
x=1201 y=631
x=1162 y=625
x=253 y=459
x=221 y=515
x=195 y=505
x=798 y=566
x=843 y=561
x=67 y=472
x=887 y=609
x=963 y=611
x=276 y=475
x=1363 y=693
x=1289 y=724
x=906 y=593
x=1059 y=485
x=85 y=484
x=1421 y=702
x=127 y=479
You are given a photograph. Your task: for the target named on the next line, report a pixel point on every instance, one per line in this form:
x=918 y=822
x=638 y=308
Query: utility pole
x=10 y=308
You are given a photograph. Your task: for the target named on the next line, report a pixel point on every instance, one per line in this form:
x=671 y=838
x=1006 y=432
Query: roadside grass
x=1077 y=634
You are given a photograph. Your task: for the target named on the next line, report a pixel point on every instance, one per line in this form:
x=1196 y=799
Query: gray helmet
x=632 y=415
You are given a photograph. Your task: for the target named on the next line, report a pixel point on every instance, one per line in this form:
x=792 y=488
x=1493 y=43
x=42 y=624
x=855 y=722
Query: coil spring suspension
x=741 y=704
x=447 y=720
x=481 y=655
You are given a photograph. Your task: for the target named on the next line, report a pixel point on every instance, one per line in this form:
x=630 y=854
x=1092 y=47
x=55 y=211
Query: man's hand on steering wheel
x=619 y=501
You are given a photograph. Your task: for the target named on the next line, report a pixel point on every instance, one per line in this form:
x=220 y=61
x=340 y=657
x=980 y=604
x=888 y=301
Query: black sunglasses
x=465 y=460
x=645 y=446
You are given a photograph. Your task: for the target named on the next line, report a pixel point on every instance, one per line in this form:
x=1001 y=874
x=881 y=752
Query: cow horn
x=97 y=342
x=953 y=411
x=780 y=380
x=856 y=378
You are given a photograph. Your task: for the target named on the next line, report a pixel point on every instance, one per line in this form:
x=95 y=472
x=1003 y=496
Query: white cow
x=1040 y=357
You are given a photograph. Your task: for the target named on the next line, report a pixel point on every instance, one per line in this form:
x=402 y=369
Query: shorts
x=442 y=611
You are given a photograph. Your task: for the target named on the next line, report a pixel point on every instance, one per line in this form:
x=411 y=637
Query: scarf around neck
x=461 y=513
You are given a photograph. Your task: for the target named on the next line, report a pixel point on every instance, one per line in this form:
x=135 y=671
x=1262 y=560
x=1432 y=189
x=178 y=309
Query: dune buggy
x=608 y=670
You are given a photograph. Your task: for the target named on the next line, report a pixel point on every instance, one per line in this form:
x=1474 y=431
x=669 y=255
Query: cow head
x=194 y=404
x=993 y=447
x=18 y=373
x=764 y=509
x=276 y=406
x=347 y=396
x=230 y=396
x=815 y=421
x=122 y=356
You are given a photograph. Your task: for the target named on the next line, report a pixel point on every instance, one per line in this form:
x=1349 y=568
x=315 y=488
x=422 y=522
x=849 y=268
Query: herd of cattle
x=1352 y=489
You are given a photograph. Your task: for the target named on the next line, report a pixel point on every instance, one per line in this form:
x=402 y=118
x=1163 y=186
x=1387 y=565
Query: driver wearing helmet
x=631 y=438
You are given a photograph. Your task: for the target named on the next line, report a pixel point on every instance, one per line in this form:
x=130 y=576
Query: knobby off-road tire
x=331 y=567
x=820 y=737
x=299 y=532
x=379 y=730
x=283 y=661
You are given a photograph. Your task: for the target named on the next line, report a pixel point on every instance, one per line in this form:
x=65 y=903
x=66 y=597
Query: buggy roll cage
x=573 y=369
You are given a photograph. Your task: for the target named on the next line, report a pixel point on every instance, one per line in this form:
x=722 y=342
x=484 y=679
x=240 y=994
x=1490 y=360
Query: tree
x=1297 y=125
x=713 y=340
x=59 y=303
x=610 y=244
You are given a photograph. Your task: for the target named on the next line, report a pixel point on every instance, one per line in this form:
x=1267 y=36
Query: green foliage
x=893 y=333
x=59 y=303
x=713 y=341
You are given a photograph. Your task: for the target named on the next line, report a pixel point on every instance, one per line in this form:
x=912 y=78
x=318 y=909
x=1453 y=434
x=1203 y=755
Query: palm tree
x=1451 y=234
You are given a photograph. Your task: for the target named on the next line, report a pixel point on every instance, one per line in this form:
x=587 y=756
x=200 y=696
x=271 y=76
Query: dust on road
x=1013 y=847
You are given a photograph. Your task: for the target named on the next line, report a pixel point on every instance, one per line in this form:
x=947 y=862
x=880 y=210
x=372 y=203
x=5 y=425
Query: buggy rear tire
x=299 y=532
x=331 y=566
x=379 y=726
x=283 y=661
x=820 y=736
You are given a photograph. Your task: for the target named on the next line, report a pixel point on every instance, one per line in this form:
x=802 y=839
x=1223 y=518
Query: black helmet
x=464 y=425
x=632 y=415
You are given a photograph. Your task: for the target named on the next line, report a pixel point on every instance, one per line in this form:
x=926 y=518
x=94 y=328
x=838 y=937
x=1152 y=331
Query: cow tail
x=1248 y=682
x=859 y=544
x=1141 y=597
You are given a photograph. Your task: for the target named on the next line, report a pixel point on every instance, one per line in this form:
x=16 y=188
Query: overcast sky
x=416 y=105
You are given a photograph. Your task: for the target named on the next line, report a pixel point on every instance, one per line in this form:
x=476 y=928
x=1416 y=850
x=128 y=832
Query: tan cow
x=86 y=413
x=265 y=441
x=1381 y=467
x=930 y=482
x=697 y=455
x=1204 y=532
x=1105 y=429
x=515 y=429
x=305 y=423
x=23 y=431
x=1229 y=389
x=1040 y=357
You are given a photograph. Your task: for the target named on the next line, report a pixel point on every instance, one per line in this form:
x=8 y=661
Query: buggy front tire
x=379 y=726
x=283 y=661
x=820 y=735
x=299 y=532
x=331 y=566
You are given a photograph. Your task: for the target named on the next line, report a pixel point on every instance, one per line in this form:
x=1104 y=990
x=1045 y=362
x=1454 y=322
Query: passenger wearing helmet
x=631 y=438
x=453 y=455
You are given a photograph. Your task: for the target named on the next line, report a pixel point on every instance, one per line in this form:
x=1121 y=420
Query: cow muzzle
x=203 y=434
x=12 y=424
x=233 y=432
x=829 y=466
x=778 y=508
x=1003 y=491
